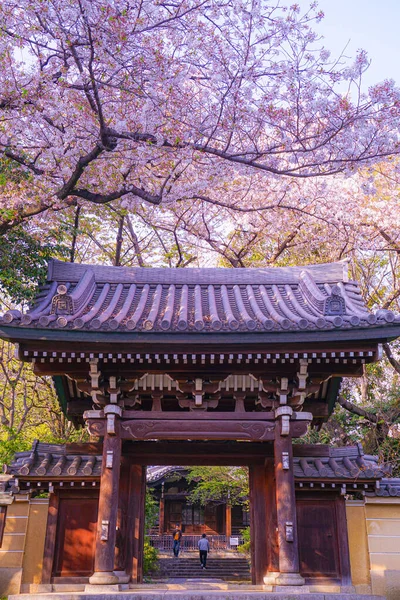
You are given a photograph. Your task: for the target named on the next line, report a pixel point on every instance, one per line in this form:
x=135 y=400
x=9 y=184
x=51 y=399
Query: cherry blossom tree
x=179 y=132
x=177 y=101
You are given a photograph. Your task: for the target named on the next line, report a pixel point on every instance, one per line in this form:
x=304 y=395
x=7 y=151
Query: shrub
x=245 y=547
x=150 y=557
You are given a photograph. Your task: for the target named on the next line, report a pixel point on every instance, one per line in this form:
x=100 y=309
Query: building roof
x=342 y=464
x=92 y=298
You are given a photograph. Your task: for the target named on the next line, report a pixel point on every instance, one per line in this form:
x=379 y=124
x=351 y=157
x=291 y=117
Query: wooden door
x=76 y=536
x=174 y=511
x=318 y=542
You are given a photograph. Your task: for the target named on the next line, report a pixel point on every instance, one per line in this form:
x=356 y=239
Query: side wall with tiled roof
x=374 y=544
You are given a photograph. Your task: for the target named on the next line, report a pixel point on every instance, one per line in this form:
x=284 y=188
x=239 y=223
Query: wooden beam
x=198 y=453
x=190 y=342
x=198 y=415
x=136 y=370
x=147 y=429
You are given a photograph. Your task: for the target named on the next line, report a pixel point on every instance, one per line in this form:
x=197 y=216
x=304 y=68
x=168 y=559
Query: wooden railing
x=190 y=542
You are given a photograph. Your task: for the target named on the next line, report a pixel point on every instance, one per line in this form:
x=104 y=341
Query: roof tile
x=88 y=297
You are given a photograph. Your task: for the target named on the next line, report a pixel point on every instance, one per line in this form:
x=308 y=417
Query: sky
x=372 y=25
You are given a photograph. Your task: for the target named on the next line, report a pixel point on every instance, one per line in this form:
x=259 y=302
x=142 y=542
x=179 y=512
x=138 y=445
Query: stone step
x=195 y=594
x=209 y=567
x=223 y=568
x=193 y=561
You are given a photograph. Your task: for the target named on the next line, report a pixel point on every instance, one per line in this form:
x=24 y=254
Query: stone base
x=102 y=589
x=289 y=579
x=122 y=576
x=104 y=578
x=290 y=590
x=270 y=577
x=10 y=580
x=36 y=588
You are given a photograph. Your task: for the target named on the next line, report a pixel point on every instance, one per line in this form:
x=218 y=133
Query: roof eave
x=378 y=334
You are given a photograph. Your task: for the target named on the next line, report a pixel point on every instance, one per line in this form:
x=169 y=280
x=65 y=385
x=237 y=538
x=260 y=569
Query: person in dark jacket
x=204 y=548
x=177 y=535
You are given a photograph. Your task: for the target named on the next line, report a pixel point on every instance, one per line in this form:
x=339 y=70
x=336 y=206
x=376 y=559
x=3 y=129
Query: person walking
x=204 y=548
x=177 y=535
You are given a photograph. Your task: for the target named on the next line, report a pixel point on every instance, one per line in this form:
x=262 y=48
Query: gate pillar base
x=104 y=578
x=123 y=577
x=270 y=577
x=294 y=579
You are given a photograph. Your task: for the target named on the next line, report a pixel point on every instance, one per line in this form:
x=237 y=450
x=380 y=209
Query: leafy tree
x=23 y=262
x=28 y=408
x=151 y=510
x=218 y=484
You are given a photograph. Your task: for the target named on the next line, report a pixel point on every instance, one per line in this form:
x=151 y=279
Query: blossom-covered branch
x=155 y=102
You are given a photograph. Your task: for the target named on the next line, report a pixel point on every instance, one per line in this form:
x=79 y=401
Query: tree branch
x=395 y=363
x=356 y=410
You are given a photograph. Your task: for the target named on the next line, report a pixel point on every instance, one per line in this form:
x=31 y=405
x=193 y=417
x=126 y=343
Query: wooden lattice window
x=192 y=515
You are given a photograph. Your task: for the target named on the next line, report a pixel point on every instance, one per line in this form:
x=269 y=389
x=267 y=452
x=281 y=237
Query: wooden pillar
x=161 y=514
x=136 y=518
x=258 y=530
x=50 y=539
x=272 y=522
x=286 y=502
x=228 y=520
x=135 y=524
x=108 y=502
x=343 y=540
x=123 y=531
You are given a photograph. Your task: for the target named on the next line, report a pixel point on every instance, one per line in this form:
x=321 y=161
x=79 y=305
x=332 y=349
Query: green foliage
x=11 y=443
x=390 y=454
x=245 y=534
x=314 y=436
x=151 y=510
x=213 y=484
x=150 y=557
x=245 y=547
x=12 y=172
x=28 y=267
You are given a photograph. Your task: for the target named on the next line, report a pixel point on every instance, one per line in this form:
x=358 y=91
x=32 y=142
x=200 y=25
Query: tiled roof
x=87 y=297
x=388 y=488
x=338 y=464
x=156 y=473
x=341 y=467
x=49 y=463
x=53 y=460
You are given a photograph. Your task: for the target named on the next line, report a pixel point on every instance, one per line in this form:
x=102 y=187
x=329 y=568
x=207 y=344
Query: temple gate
x=208 y=366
